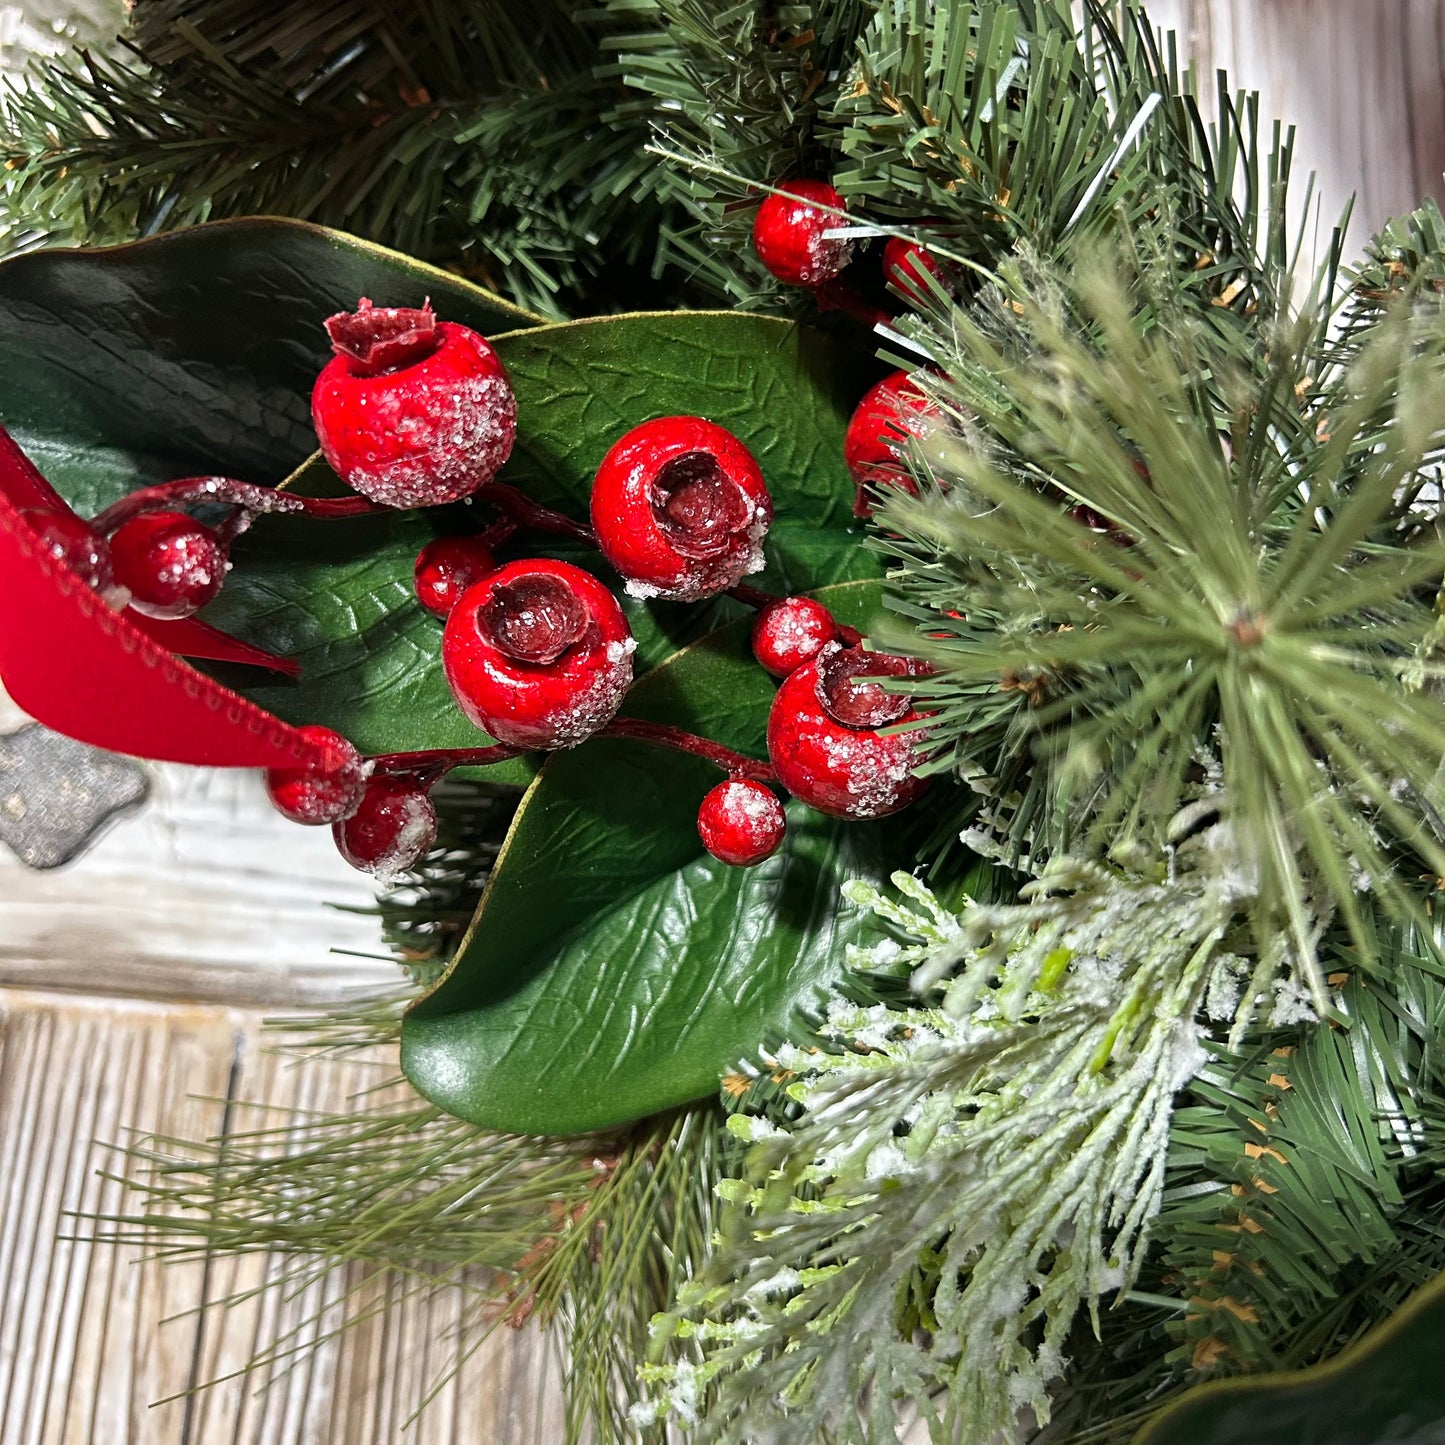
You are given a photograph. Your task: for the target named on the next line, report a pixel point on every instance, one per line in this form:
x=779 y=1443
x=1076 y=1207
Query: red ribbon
x=113 y=679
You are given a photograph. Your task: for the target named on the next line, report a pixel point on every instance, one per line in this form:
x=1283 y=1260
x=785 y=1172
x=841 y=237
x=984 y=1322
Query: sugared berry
x=412 y=411
x=790 y=632
x=446 y=567
x=323 y=794
x=170 y=563
x=393 y=825
x=741 y=822
x=906 y=264
x=823 y=735
x=75 y=543
x=789 y=233
x=539 y=654
x=889 y=413
x=680 y=509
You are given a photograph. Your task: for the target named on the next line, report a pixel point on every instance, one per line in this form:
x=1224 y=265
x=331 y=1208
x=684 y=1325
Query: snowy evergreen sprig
x=1007 y=1136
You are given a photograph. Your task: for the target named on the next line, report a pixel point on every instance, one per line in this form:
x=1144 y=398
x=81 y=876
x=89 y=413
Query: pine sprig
x=590 y=1237
x=1010 y=1138
x=1302 y=1203
x=1267 y=602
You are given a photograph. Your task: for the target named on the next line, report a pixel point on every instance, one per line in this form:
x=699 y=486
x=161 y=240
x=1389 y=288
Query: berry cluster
x=415 y=412
x=800 y=235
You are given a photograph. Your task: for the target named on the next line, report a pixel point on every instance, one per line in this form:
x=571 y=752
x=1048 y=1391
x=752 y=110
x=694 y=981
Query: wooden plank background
x=133 y=983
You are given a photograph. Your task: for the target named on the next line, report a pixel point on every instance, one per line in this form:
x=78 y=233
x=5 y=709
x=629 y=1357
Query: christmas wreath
x=853 y=546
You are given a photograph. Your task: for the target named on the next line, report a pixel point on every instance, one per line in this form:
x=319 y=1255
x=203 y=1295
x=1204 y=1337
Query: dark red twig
x=229 y=492
x=430 y=766
x=664 y=735
x=524 y=512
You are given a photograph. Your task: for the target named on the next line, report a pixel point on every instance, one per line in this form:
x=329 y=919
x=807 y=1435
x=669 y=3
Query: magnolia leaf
x=614 y=968
x=1386 y=1390
x=192 y=353
x=338 y=596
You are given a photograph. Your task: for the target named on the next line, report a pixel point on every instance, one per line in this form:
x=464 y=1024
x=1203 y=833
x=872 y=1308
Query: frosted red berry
x=539 y=654
x=171 y=564
x=323 y=793
x=69 y=540
x=447 y=567
x=680 y=509
x=889 y=413
x=741 y=822
x=412 y=411
x=790 y=233
x=791 y=632
x=393 y=825
x=823 y=735
x=906 y=265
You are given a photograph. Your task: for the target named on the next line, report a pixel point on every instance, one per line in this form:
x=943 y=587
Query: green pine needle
x=1266 y=606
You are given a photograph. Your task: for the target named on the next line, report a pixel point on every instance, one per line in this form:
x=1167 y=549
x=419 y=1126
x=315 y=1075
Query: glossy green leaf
x=193 y=352
x=1388 y=1389
x=614 y=968
x=338 y=596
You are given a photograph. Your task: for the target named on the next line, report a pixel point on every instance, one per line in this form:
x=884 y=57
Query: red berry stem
x=756 y=597
x=228 y=492
x=522 y=511
x=664 y=735
x=430 y=766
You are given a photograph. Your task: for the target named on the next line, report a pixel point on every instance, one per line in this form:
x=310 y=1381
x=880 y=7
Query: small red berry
x=823 y=738
x=680 y=509
x=393 y=825
x=891 y=411
x=412 y=411
x=170 y=563
x=79 y=546
x=324 y=794
x=905 y=264
x=789 y=233
x=446 y=567
x=790 y=632
x=539 y=654
x=741 y=822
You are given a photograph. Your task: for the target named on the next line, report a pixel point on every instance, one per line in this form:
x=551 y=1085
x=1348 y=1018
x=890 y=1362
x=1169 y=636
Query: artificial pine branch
x=1010 y=1132
x=1265 y=604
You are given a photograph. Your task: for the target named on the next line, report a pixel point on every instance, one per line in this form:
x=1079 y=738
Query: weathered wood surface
x=132 y=984
x=1363 y=81
x=92 y=1335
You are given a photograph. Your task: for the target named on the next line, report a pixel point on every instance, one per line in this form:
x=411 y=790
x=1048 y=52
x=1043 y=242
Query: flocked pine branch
x=1011 y=1134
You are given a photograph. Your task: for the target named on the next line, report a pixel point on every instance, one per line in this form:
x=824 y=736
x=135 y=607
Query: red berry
x=324 y=794
x=823 y=738
x=790 y=632
x=446 y=567
x=741 y=822
x=394 y=824
x=73 y=542
x=891 y=411
x=412 y=411
x=788 y=233
x=680 y=509
x=905 y=263
x=539 y=654
x=169 y=563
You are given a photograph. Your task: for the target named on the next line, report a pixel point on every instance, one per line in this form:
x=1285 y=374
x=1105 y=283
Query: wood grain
x=1362 y=80
x=93 y=1335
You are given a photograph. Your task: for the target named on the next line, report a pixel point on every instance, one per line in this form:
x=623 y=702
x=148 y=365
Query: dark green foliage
x=465 y=133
